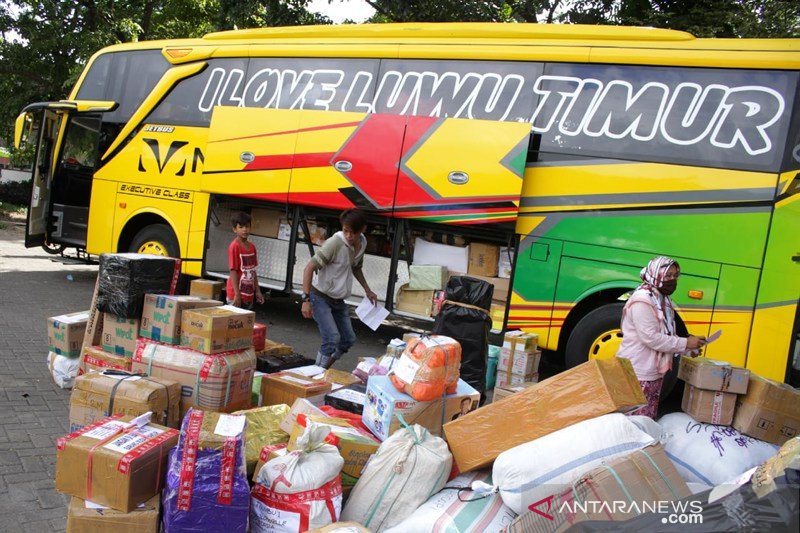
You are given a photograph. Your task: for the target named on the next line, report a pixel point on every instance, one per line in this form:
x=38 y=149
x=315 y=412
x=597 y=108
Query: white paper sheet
x=371 y=315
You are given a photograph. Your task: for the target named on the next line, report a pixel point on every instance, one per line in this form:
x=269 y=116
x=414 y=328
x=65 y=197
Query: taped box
x=712 y=407
x=770 y=411
x=519 y=341
x=704 y=373
x=483 y=258
x=414 y=302
x=95 y=359
x=162 y=314
x=88 y=517
x=205 y=288
x=220 y=382
x=519 y=363
x=501 y=392
x=351 y=398
x=119 y=334
x=65 y=333
x=274 y=348
x=118 y=461
x=586 y=391
x=640 y=482
x=124 y=279
x=96 y=396
x=384 y=402
x=504 y=379
x=285 y=387
x=427 y=277
x=217 y=329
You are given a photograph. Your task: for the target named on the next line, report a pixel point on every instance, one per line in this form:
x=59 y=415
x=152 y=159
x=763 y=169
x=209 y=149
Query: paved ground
x=34 y=287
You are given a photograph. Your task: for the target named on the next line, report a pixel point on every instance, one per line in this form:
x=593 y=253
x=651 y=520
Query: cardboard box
x=351 y=398
x=298 y=407
x=427 y=277
x=519 y=363
x=285 y=387
x=88 y=517
x=505 y=262
x=96 y=396
x=285 y=230
x=504 y=379
x=704 y=373
x=217 y=329
x=501 y=392
x=414 y=302
x=120 y=334
x=221 y=382
x=646 y=478
x=712 y=407
x=162 y=315
x=770 y=411
x=595 y=388
x=356 y=446
x=455 y=258
x=483 y=259
x=95 y=359
x=273 y=348
x=519 y=341
x=384 y=401
x=206 y=288
x=94 y=325
x=127 y=460
x=266 y=222
x=259 y=336
x=501 y=285
x=65 y=333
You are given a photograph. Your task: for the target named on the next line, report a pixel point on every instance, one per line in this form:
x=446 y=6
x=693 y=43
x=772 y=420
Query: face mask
x=668 y=287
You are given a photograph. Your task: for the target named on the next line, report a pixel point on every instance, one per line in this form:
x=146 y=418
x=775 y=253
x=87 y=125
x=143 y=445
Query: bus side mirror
x=22 y=129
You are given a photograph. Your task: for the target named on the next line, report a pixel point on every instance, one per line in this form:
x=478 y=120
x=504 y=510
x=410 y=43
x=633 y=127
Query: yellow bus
x=570 y=154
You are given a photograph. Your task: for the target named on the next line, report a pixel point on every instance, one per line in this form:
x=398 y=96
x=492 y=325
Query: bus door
x=67 y=137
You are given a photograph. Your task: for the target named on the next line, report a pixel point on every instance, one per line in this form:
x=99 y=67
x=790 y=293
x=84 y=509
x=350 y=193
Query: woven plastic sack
x=207 y=488
x=428 y=368
x=408 y=468
x=263 y=428
x=301 y=490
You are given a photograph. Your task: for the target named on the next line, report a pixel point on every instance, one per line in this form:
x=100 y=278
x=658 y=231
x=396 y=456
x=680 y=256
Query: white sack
x=408 y=468
x=63 y=369
x=446 y=512
x=540 y=468
x=294 y=492
x=710 y=454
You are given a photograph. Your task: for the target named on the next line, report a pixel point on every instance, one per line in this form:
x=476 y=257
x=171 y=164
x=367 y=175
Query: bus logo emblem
x=247 y=157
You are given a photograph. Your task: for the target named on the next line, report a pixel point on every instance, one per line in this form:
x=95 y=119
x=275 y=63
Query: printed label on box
x=129 y=441
x=230 y=425
x=106 y=430
x=350 y=395
x=406 y=369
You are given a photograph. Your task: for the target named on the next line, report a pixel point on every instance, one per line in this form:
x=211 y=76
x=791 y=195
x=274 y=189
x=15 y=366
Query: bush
x=15 y=192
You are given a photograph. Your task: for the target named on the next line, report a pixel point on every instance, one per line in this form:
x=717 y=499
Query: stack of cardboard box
x=711 y=389
x=519 y=360
x=64 y=340
x=770 y=411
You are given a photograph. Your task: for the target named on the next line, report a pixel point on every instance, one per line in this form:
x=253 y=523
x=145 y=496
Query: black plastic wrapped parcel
x=124 y=279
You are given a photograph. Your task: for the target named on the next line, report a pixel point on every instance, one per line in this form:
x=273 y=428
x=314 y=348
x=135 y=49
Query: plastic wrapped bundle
x=263 y=429
x=124 y=279
x=207 y=487
x=428 y=368
x=469 y=324
x=301 y=490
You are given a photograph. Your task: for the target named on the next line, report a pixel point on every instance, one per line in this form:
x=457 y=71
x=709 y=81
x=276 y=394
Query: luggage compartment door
x=459 y=171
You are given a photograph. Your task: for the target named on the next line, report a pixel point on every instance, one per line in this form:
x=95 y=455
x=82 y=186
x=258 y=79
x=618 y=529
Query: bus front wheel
x=156 y=239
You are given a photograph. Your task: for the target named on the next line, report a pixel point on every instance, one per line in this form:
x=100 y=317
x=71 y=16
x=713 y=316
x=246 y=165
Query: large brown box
x=285 y=387
x=595 y=388
x=217 y=329
x=770 y=411
x=94 y=359
x=501 y=392
x=206 y=288
x=162 y=313
x=274 y=348
x=414 y=302
x=704 y=373
x=483 y=259
x=645 y=477
x=119 y=334
x=65 y=333
x=96 y=396
x=712 y=407
x=221 y=382
x=86 y=518
x=114 y=463
x=266 y=222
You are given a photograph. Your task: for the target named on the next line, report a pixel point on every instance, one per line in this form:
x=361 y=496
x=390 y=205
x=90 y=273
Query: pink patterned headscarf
x=655 y=271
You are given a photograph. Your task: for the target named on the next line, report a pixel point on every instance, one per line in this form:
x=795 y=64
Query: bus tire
x=605 y=320
x=157 y=239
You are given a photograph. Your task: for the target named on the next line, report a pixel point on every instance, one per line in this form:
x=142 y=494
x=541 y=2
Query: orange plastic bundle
x=428 y=368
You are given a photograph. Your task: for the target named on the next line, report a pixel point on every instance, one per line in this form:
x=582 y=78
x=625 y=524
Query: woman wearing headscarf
x=649 y=339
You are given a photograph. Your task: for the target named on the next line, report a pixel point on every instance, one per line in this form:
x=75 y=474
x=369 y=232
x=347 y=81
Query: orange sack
x=428 y=368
